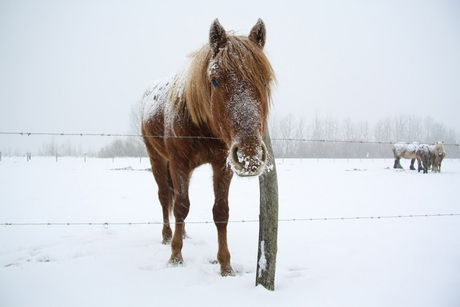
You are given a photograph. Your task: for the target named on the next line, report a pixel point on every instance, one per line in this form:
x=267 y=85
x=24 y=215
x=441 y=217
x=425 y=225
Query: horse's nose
x=248 y=161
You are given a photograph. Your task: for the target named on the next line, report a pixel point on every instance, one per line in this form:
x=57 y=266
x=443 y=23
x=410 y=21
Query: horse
x=424 y=157
x=213 y=111
x=406 y=151
x=438 y=153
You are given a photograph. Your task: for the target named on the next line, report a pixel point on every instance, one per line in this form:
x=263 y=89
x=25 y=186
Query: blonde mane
x=191 y=88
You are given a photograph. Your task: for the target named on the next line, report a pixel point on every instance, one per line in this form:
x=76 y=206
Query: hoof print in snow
x=213 y=261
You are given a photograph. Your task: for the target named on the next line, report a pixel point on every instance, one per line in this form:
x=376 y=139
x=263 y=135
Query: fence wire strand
x=105 y=135
x=195 y=137
x=313 y=219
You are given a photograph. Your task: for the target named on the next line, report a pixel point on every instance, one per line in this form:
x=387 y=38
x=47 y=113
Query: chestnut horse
x=214 y=111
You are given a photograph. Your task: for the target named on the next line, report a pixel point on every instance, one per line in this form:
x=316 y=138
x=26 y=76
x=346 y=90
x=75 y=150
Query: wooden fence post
x=268 y=221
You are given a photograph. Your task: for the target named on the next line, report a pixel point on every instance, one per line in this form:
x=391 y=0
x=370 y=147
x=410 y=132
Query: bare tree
x=50 y=148
x=132 y=146
x=326 y=137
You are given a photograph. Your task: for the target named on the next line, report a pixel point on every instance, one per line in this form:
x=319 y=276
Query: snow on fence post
x=268 y=221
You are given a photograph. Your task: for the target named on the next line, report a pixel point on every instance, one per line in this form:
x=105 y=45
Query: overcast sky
x=80 y=66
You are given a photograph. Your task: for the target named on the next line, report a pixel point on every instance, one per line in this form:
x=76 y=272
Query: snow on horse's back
x=406 y=151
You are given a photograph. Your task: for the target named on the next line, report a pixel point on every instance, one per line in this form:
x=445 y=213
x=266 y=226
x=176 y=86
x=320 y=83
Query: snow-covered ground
x=361 y=262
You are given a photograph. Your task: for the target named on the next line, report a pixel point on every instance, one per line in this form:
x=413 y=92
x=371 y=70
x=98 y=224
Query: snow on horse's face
x=239 y=96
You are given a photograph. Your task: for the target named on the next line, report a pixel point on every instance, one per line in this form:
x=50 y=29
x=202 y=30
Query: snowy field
x=359 y=262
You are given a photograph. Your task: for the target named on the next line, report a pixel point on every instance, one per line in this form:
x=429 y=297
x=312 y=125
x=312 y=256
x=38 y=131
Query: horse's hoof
x=167 y=237
x=176 y=260
x=227 y=271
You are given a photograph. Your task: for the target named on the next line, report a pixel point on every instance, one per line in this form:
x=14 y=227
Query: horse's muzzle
x=247 y=161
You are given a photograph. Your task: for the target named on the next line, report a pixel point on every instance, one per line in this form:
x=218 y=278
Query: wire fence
x=107 y=224
x=104 y=135
x=197 y=137
x=128 y=145
x=313 y=219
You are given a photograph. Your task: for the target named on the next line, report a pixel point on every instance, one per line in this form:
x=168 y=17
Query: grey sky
x=79 y=66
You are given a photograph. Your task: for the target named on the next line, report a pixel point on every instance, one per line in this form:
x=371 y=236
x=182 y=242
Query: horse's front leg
x=412 y=167
x=222 y=178
x=397 y=163
x=420 y=167
x=180 y=178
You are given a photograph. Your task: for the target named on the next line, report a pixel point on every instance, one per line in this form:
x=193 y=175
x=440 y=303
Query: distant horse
x=406 y=151
x=214 y=111
x=424 y=158
x=438 y=153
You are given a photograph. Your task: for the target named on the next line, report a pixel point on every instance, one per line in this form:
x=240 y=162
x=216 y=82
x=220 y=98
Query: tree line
x=300 y=137
x=327 y=137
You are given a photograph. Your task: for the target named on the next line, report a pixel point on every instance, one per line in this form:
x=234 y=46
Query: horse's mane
x=191 y=88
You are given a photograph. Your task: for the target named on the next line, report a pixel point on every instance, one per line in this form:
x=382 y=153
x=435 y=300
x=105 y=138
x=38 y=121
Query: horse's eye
x=215 y=83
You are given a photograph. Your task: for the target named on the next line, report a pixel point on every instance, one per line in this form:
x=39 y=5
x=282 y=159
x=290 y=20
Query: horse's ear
x=217 y=37
x=258 y=33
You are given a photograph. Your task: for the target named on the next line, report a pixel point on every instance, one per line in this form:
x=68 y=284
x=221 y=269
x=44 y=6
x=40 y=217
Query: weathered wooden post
x=268 y=221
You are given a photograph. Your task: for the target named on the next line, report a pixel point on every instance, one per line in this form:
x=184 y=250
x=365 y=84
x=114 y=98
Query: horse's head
x=239 y=76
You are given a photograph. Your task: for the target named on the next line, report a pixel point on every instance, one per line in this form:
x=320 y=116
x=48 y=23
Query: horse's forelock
x=192 y=87
x=248 y=60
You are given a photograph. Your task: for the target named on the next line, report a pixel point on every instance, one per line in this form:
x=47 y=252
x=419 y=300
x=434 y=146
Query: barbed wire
x=345 y=141
x=196 y=137
x=106 y=135
x=313 y=219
